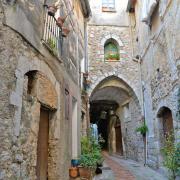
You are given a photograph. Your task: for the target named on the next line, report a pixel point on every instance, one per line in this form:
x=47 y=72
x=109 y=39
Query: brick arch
x=25 y=65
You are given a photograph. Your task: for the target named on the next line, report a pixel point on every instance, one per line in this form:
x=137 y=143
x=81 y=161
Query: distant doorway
x=42 y=145
x=165 y=127
x=165 y=123
x=119 y=145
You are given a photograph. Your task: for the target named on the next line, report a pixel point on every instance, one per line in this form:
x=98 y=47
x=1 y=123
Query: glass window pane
x=108 y=3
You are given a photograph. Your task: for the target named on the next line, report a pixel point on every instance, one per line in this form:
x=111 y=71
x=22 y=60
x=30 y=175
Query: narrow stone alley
x=89 y=89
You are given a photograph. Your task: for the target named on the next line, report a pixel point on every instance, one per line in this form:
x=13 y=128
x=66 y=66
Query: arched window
x=111 y=50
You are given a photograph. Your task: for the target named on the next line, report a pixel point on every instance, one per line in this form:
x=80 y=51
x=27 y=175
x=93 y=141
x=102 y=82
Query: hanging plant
x=143 y=129
x=65 y=31
x=60 y=21
x=52 y=10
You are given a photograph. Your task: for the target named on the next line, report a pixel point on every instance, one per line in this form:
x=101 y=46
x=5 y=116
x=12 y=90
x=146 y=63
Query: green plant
x=143 y=129
x=171 y=156
x=90 y=152
x=112 y=56
x=52 y=44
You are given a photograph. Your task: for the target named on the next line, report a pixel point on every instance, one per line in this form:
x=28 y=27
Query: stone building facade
x=115 y=83
x=156 y=39
x=40 y=98
x=142 y=84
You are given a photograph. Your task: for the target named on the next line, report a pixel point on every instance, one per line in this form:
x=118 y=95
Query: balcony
x=52 y=37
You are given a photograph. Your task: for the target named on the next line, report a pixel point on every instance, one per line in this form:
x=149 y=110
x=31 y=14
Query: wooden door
x=119 y=147
x=42 y=146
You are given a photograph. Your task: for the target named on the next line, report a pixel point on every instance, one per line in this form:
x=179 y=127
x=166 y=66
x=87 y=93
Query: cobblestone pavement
x=119 y=171
x=129 y=169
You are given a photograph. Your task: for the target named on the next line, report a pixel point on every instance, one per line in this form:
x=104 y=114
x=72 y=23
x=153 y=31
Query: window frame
x=106 y=6
x=117 y=50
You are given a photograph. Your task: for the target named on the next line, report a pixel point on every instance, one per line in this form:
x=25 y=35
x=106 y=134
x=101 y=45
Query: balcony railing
x=52 y=37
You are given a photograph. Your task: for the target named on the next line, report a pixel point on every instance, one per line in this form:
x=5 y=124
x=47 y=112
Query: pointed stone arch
x=109 y=75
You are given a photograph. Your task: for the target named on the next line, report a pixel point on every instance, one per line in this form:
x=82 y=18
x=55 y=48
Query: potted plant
x=73 y=172
x=52 y=10
x=112 y=56
x=143 y=129
x=65 y=31
x=60 y=21
x=90 y=156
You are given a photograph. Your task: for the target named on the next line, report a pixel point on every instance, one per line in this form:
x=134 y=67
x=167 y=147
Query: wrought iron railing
x=52 y=37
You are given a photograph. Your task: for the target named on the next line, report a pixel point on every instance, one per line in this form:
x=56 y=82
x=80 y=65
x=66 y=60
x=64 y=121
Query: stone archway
x=113 y=97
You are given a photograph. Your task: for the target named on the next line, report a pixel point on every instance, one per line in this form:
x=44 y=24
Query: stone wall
x=160 y=54
x=21 y=51
x=125 y=68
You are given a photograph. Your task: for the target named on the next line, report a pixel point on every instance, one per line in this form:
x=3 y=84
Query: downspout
x=86 y=45
x=86 y=71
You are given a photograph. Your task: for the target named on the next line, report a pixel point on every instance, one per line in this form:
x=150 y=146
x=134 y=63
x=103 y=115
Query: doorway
x=119 y=145
x=42 y=145
x=165 y=124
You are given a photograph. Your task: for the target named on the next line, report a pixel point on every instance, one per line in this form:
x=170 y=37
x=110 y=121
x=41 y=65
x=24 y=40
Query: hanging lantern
x=111 y=112
x=103 y=115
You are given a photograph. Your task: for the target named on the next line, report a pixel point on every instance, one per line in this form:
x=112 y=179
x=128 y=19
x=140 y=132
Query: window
x=111 y=51
x=108 y=5
x=31 y=81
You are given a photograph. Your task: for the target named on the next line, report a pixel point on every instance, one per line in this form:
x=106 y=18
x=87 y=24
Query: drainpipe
x=86 y=69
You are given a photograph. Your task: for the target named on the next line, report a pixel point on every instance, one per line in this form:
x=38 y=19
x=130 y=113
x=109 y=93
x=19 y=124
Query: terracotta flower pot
x=73 y=172
x=84 y=172
x=60 y=21
x=65 y=31
x=52 y=10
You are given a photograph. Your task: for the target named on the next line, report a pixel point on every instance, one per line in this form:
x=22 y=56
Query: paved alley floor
x=129 y=170
x=116 y=168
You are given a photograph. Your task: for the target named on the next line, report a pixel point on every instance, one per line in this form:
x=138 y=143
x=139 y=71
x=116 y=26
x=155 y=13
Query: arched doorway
x=115 y=109
x=39 y=114
x=119 y=143
x=165 y=124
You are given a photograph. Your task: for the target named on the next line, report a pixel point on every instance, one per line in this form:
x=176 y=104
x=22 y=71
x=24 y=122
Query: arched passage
x=114 y=107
